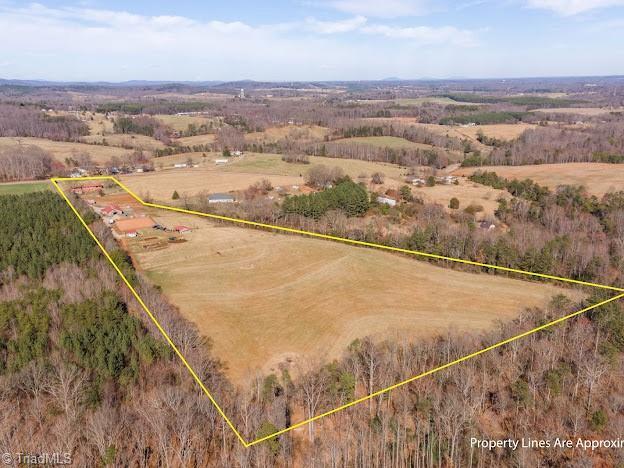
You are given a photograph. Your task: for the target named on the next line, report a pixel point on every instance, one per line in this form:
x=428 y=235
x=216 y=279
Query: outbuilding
x=386 y=200
x=220 y=198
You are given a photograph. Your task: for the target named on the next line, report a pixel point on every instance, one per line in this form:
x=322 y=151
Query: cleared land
x=265 y=298
x=196 y=140
x=295 y=132
x=467 y=192
x=500 y=131
x=386 y=142
x=18 y=188
x=160 y=185
x=240 y=173
x=63 y=149
x=597 y=178
x=445 y=101
x=132 y=141
x=181 y=122
x=588 y=111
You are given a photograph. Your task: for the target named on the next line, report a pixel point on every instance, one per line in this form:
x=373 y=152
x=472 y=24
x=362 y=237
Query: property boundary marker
x=56 y=180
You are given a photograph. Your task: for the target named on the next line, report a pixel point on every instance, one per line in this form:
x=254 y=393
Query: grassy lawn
x=24 y=187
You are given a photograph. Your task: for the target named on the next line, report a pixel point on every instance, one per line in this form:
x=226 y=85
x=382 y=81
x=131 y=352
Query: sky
x=301 y=40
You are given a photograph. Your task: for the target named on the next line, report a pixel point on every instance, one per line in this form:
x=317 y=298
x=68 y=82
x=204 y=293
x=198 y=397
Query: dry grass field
x=161 y=184
x=63 y=149
x=196 y=140
x=385 y=142
x=141 y=142
x=240 y=173
x=272 y=164
x=467 y=192
x=587 y=111
x=181 y=122
x=266 y=298
x=499 y=131
x=597 y=178
x=295 y=132
x=444 y=101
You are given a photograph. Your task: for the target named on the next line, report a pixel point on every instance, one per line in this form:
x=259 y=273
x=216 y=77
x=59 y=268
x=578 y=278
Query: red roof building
x=111 y=210
x=182 y=229
x=87 y=188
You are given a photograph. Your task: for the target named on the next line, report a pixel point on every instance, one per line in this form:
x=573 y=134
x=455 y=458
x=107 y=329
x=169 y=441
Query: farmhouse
x=111 y=210
x=179 y=165
x=220 y=198
x=220 y=162
x=129 y=225
x=182 y=229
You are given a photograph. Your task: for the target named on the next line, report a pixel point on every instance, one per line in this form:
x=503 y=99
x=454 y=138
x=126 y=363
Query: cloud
x=426 y=35
x=381 y=8
x=573 y=7
x=96 y=44
x=333 y=27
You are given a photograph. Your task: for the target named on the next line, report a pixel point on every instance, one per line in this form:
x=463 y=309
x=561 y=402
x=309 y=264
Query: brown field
x=419 y=101
x=597 y=178
x=295 y=132
x=240 y=173
x=196 y=140
x=161 y=184
x=588 y=111
x=63 y=149
x=265 y=298
x=197 y=158
x=141 y=142
x=467 y=193
x=181 y=122
x=500 y=131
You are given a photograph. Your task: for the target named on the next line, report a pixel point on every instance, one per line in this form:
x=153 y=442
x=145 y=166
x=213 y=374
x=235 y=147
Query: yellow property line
x=55 y=181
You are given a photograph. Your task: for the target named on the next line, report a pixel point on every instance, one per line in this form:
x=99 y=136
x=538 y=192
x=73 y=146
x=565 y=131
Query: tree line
x=29 y=121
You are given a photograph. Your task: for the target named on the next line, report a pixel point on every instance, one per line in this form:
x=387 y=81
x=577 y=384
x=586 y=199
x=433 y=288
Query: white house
x=220 y=162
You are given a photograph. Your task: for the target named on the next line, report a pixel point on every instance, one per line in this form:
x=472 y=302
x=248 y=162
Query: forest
x=29 y=121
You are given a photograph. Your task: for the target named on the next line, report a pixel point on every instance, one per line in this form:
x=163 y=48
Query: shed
x=220 y=198
x=386 y=200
